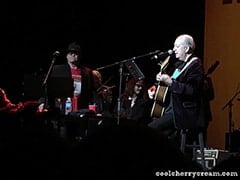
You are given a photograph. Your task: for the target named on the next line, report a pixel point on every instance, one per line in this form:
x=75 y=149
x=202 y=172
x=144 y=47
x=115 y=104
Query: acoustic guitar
x=161 y=91
x=160 y=94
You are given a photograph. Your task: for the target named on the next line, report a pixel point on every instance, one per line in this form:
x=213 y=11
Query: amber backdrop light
x=222 y=43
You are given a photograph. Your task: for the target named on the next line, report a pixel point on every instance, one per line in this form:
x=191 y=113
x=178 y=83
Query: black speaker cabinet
x=232 y=141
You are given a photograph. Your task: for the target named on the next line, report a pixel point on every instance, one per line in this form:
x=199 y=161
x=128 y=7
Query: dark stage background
x=108 y=31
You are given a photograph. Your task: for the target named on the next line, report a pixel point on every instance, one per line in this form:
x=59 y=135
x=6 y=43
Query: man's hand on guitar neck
x=166 y=79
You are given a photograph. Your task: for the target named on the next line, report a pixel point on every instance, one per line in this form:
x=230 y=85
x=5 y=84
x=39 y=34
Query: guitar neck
x=164 y=64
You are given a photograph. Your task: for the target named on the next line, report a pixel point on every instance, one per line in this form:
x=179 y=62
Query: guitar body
x=159 y=99
x=160 y=94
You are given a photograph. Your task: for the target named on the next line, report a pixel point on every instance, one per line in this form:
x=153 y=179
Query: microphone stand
x=229 y=104
x=120 y=63
x=44 y=84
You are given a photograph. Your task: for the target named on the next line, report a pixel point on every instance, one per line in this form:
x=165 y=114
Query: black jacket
x=186 y=97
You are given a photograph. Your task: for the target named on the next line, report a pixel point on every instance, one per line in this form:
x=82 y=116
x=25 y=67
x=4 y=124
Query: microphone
x=161 y=54
x=56 y=53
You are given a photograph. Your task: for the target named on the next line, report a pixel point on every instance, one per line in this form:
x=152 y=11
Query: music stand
x=60 y=83
x=134 y=70
x=60 y=87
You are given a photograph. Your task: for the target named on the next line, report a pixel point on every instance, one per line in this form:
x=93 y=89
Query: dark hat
x=74 y=47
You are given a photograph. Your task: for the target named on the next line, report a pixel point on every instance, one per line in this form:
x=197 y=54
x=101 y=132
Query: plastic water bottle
x=58 y=104
x=68 y=106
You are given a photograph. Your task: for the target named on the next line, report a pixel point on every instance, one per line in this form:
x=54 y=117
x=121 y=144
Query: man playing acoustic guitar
x=182 y=99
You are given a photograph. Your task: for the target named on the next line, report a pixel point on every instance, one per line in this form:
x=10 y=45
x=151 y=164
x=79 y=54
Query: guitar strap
x=177 y=72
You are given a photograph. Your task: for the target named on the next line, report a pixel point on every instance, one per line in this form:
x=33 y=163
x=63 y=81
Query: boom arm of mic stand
x=229 y=103
x=133 y=58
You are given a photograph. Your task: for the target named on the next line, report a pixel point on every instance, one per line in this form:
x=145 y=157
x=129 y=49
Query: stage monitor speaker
x=210 y=155
x=214 y=157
